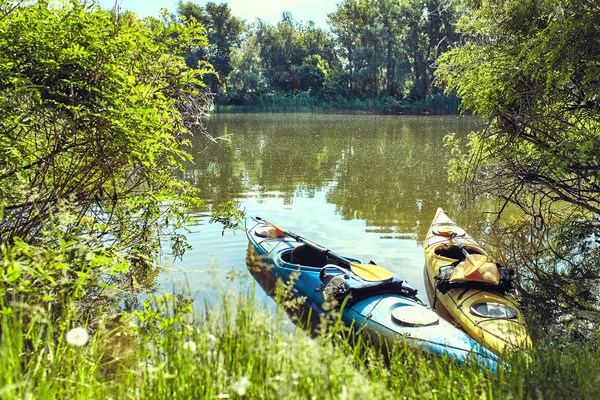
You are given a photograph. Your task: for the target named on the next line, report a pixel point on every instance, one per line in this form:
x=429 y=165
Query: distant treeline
x=377 y=54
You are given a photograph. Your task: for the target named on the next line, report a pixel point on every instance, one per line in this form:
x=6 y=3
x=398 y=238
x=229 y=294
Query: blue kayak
x=372 y=300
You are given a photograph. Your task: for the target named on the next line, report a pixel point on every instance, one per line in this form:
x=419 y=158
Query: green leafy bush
x=91 y=111
x=95 y=110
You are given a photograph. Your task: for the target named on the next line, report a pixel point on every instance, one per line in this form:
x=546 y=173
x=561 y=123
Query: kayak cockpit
x=454 y=252
x=306 y=255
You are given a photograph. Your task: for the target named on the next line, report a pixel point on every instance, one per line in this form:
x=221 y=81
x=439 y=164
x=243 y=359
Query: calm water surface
x=363 y=186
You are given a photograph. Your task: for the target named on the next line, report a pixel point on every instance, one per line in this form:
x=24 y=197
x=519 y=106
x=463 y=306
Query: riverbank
x=237 y=349
x=303 y=102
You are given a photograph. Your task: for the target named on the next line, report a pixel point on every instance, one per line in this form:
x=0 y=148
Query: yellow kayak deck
x=491 y=318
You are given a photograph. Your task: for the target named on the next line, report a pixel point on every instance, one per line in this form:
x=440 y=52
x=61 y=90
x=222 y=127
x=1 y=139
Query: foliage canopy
x=531 y=70
x=94 y=110
x=223 y=31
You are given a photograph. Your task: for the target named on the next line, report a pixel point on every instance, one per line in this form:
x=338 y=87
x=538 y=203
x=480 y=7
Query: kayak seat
x=454 y=252
x=306 y=255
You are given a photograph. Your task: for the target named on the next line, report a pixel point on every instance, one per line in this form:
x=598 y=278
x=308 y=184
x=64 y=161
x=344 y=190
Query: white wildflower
x=241 y=386
x=212 y=338
x=344 y=394
x=222 y=396
x=77 y=337
x=189 y=347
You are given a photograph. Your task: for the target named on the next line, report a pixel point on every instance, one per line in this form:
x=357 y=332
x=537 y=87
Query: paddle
x=473 y=261
x=368 y=272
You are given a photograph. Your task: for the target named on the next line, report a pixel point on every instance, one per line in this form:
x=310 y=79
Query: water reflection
x=388 y=171
x=350 y=182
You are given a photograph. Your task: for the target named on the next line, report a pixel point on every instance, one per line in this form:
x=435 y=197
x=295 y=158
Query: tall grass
x=304 y=102
x=240 y=349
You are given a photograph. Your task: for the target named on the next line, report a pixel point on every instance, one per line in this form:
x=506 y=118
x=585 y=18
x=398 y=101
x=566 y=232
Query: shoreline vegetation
x=302 y=102
x=240 y=349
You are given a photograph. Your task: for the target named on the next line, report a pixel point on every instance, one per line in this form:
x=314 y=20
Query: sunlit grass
x=240 y=349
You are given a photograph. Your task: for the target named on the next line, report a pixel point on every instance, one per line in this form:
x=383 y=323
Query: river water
x=363 y=186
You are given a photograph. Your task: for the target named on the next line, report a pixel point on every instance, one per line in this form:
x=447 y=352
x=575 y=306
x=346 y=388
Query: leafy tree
x=246 y=79
x=348 y=23
x=391 y=45
x=193 y=13
x=376 y=48
x=430 y=31
x=317 y=41
x=368 y=62
x=278 y=51
x=294 y=56
x=313 y=72
x=95 y=109
x=336 y=85
x=531 y=70
x=224 y=32
x=390 y=20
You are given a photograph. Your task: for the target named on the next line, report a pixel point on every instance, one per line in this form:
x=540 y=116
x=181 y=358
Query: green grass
x=243 y=350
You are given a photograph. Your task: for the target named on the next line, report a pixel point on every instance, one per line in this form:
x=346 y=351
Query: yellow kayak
x=465 y=286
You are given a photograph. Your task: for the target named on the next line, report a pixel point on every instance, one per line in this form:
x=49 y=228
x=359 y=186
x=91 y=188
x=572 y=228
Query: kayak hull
x=460 y=305
x=371 y=316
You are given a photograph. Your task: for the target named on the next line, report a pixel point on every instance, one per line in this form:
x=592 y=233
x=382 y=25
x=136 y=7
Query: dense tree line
x=374 y=49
